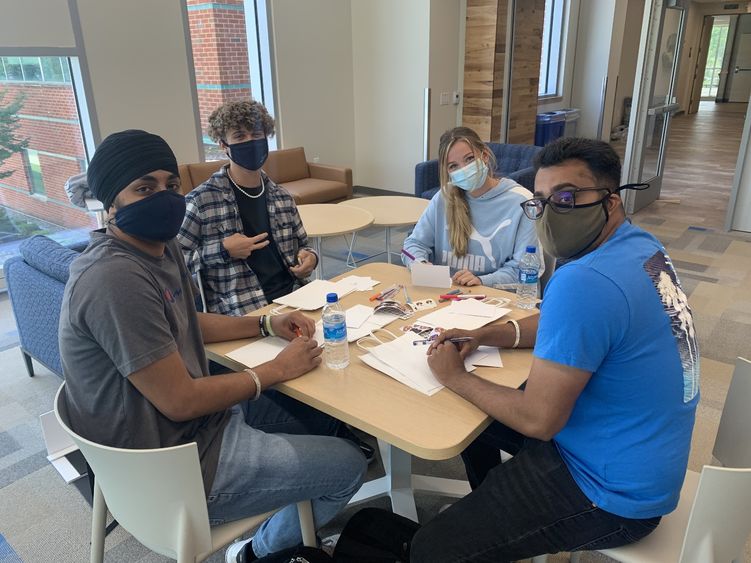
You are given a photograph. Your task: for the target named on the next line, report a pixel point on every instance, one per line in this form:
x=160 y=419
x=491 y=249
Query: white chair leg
x=98 y=525
x=307 y=524
x=576 y=556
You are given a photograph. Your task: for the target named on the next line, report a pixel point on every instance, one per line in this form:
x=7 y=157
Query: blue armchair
x=36 y=282
x=514 y=162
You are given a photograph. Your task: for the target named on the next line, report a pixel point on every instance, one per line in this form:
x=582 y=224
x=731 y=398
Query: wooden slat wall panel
x=483 y=64
x=525 y=77
x=484 y=68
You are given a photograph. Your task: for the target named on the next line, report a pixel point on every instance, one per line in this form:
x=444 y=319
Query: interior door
x=654 y=100
x=740 y=87
x=701 y=63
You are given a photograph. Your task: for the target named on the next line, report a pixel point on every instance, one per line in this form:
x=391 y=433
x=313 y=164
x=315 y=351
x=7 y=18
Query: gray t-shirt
x=122 y=311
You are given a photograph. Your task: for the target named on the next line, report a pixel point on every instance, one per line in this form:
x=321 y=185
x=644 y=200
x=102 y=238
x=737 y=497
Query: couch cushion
x=286 y=165
x=186 y=184
x=202 y=171
x=312 y=190
x=48 y=256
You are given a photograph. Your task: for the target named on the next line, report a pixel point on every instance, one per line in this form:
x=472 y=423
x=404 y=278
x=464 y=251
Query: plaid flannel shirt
x=230 y=285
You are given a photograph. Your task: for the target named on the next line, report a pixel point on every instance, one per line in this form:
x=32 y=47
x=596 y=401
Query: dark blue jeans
x=525 y=507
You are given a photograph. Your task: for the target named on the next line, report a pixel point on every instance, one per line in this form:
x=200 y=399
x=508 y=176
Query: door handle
x=739 y=69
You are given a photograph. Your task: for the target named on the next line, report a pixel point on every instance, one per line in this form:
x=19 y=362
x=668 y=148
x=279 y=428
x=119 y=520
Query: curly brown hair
x=248 y=114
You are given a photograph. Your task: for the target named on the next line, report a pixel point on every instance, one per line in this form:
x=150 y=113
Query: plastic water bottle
x=529 y=268
x=336 y=348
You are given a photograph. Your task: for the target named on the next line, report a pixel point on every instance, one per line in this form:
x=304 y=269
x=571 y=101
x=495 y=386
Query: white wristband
x=257 y=381
x=518 y=332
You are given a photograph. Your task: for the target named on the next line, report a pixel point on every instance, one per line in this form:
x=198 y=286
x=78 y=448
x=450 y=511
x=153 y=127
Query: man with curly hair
x=251 y=243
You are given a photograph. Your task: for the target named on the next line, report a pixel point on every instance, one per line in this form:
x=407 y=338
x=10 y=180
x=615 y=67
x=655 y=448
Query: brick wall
x=49 y=120
x=220 y=53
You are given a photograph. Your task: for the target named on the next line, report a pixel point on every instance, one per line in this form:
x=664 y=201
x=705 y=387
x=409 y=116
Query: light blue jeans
x=276 y=452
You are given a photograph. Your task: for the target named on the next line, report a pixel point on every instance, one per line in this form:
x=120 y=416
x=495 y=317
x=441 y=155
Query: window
x=552 y=48
x=34 y=69
x=715 y=54
x=41 y=130
x=231 y=58
x=34 y=172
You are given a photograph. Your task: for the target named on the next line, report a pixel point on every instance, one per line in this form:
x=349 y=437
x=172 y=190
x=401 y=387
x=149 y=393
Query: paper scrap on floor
x=354 y=314
x=430 y=275
x=467 y=314
x=312 y=296
x=409 y=361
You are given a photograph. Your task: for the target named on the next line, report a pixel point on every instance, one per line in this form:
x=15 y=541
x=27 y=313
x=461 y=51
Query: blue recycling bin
x=549 y=127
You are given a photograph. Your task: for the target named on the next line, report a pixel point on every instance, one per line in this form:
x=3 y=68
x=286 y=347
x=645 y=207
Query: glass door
x=654 y=100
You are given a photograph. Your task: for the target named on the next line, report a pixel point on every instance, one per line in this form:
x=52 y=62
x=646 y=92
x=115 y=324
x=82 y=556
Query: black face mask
x=156 y=218
x=249 y=154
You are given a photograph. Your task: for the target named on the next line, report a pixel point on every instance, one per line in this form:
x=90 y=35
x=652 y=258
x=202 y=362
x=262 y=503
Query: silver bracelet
x=257 y=381
x=518 y=332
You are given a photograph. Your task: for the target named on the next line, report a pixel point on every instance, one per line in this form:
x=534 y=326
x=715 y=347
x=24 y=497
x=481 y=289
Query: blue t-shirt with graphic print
x=619 y=312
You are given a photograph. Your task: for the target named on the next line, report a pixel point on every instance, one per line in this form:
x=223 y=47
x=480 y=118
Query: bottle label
x=335 y=331
x=528 y=275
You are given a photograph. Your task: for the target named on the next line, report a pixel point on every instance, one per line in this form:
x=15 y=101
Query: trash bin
x=572 y=117
x=549 y=127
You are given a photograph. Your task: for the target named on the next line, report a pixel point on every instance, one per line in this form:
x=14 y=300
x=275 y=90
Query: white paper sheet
x=445 y=318
x=411 y=363
x=259 y=352
x=486 y=356
x=357 y=315
x=312 y=296
x=430 y=275
x=472 y=307
x=373 y=322
x=377 y=364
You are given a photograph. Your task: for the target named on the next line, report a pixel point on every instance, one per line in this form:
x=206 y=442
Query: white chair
x=732 y=446
x=713 y=519
x=158 y=496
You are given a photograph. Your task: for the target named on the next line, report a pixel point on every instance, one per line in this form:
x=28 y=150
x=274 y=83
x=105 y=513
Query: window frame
x=553 y=49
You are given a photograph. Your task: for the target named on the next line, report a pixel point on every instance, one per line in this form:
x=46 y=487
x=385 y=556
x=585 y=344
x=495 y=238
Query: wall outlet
x=445 y=98
x=316 y=159
x=455 y=97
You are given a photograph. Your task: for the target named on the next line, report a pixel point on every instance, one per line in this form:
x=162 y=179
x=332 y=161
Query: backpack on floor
x=373 y=535
x=299 y=554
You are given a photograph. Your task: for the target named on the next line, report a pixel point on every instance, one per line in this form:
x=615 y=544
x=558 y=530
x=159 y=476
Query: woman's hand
x=466 y=278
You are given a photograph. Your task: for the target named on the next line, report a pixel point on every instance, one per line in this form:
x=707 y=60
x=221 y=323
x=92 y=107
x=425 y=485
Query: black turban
x=126 y=156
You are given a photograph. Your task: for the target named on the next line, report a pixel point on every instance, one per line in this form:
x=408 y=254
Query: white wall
x=314 y=78
x=629 y=56
x=446 y=44
x=600 y=27
x=36 y=23
x=390 y=55
x=138 y=64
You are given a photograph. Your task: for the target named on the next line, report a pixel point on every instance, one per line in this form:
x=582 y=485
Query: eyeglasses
x=564 y=199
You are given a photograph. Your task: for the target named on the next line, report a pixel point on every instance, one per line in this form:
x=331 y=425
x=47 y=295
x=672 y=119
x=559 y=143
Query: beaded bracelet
x=262 y=325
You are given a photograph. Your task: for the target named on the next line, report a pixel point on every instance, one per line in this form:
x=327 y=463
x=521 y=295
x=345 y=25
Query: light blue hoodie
x=500 y=235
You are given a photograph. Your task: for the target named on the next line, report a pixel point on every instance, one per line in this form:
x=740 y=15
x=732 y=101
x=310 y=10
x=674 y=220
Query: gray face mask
x=570 y=234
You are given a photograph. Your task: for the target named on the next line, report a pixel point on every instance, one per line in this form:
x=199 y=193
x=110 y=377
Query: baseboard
x=366 y=191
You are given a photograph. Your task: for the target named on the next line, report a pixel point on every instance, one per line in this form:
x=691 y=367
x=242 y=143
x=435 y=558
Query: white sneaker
x=329 y=544
x=235 y=553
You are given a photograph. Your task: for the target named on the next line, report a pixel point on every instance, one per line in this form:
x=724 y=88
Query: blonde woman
x=474 y=224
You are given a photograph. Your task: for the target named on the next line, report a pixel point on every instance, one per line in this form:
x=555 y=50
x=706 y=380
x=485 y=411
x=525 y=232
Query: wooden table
x=405 y=421
x=328 y=220
x=390 y=211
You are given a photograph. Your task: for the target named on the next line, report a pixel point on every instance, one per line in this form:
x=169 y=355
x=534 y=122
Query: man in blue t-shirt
x=602 y=429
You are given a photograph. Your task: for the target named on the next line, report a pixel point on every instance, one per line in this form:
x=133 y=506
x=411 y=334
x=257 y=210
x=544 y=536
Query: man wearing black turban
x=132 y=347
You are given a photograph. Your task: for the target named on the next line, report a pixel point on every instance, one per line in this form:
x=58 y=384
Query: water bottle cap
x=332 y=298
x=531 y=249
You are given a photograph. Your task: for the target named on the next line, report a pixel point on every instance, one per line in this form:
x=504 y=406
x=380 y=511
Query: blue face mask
x=470 y=177
x=250 y=154
x=156 y=218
